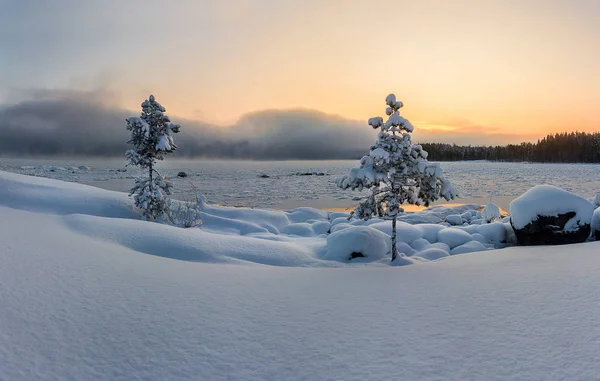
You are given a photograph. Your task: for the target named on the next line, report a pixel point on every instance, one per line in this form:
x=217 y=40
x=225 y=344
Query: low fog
x=80 y=124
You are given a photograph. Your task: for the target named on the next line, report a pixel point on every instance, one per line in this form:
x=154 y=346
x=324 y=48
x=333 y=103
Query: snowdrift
x=231 y=235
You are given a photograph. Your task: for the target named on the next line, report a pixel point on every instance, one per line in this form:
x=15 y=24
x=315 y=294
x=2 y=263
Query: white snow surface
x=89 y=291
x=548 y=200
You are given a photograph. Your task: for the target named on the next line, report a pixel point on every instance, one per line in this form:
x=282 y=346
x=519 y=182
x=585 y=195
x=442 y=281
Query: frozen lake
x=245 y=183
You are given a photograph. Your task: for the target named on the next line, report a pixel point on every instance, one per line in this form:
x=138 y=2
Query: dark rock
x=264 y=176
x=182 y=174
x=356 y=255
x=549 y=230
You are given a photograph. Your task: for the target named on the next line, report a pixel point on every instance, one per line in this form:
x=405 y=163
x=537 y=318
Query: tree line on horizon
x=565 y=147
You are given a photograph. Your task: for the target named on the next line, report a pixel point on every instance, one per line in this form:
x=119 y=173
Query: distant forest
x=566 y=147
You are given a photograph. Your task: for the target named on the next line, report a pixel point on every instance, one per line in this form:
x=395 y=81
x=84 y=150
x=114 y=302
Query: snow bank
x=279 y=238
x=58 y=197
x=548 y=200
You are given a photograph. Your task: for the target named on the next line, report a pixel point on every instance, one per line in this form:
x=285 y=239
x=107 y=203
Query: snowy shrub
x=396 y=171
x=184 y=214
x=152 y=138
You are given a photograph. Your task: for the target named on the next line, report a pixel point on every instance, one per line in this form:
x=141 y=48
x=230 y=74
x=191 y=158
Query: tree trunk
x=150 y=185
x=394 y=238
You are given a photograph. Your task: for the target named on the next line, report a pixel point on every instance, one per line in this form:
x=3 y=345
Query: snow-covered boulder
x=596 y=224
x=300 y=229
x=494 y=233
x=338 y=227
x=547 y=215
x=596 y=201
x=491 y=212
x=404 y=232
x=469 y=247
x=453 y=237
x=432 y=253
x=467 y=216
x=454 y=219
x=420 y=244
x=430 y=231
x=321 y=227
x=356 y=242
x=303 y=214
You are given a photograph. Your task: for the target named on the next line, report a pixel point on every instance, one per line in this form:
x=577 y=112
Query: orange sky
x=523 y=67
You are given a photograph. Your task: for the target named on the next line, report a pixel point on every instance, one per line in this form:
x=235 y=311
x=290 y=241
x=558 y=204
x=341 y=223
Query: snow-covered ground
x=88 y=291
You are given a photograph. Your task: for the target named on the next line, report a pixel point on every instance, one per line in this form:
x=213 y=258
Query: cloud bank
x=73 y=123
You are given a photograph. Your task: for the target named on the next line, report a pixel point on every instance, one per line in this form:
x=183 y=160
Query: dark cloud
x=80 y=123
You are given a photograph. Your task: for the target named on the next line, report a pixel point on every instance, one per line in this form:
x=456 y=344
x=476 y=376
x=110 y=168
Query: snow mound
x=454 y=219
x=430 y=231
x=404 y=232
x=301 y=229
x=453 y=237
x=433 y=253
x=263 y=217
x=549 y=201
x=370 y=243
x=494 y=233
x=469 y=247
x=305 y=214
x=491 y=212
x=44 y=195
x=596 y=220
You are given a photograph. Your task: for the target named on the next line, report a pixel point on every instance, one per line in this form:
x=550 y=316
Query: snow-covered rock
x=595 y=225
x=404 y=232
x=441 y=246
x=494 y=232
x=546 y=215
x=321 y=227
x=466 y=216
x=430 y=231
x=454 y=219
x=419 y=244
x=301 y=229
x=357 y=241
x=491 y=212
x=305 y=213
x=453 y=237
x=433 y=253
x=469 y=247
x=405 y=248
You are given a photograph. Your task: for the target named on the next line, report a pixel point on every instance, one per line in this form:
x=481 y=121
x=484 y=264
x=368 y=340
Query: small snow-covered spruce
x=396 y=171
x=152 y=138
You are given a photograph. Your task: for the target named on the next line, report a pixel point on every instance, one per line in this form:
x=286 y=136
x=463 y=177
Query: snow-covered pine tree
x=396 y=171
x=152 y=138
